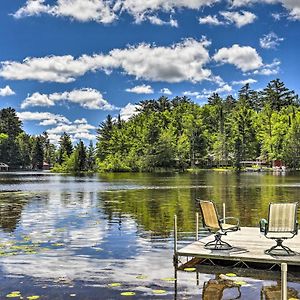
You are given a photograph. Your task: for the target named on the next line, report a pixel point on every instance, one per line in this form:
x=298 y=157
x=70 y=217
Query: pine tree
x=90 y=157
x=104 y=136
x=37 y=154
x=65 y=147
x=278 y=95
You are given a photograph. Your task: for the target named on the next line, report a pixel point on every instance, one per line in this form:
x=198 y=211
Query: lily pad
x=114 y=284
x=128 y=294
x=141 y=277
x=169 y=279
x=35 y=297
x=15 y=294
x=189 y=269
x=230 y=275
x=159 y=292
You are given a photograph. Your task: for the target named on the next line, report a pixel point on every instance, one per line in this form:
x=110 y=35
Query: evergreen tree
x=24 y=143
x=104 y=135
x=90 y=157
x=278 y=95
x=11 y=127
x=65 y=147
x=37 y=154
x=10 y=124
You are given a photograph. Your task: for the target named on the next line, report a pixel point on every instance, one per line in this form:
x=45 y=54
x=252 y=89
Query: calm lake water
x=65 y=237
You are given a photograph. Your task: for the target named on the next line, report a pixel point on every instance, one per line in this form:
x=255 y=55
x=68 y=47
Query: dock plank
x=249 y=246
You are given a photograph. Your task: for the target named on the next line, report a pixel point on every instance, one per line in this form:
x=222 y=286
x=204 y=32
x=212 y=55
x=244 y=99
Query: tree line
x=172 y=134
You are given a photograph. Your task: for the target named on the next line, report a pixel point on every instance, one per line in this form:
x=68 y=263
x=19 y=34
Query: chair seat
x=279 y=235
x=229 y=227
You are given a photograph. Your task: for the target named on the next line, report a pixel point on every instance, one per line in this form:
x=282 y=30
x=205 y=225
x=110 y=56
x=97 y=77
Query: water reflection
x=78 y=235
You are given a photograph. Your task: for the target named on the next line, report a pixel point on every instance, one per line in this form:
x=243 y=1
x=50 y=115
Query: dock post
x=224 y=212
x=197 y=226
x=175 y=258
x=283 y=281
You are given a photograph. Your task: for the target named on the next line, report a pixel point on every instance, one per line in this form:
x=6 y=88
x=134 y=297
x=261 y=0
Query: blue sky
x=66 y=64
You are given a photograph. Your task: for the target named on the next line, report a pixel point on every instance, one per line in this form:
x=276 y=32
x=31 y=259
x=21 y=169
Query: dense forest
x=172 y=134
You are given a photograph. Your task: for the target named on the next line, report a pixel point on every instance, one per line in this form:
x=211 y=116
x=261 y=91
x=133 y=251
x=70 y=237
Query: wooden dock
x=249 y=246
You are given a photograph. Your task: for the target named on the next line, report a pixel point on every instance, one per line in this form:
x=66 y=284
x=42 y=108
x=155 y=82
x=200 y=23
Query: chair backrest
x=282 y=217
x=209 y=214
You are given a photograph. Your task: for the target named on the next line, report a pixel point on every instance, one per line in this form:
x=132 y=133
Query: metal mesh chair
x=217 y=226
x=282 y=224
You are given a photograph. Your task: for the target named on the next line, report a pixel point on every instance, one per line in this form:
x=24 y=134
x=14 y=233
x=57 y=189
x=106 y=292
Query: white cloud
x=293 y=6
x=166 y=91
x=141 y=89
x=6 y=91
x=243 y=57
x=107 y=11
x=76 y=130
x=191 y=94
x=81 y=10
x=45 y=118
x=79 y=129
x=240 y=19
x=179 y=62
x=80 y=121
x=243 y=82
x=224 y=89
x=62 y=69
x=270 y=41
x=211 y=20
x=157 y=21
x=128 y=111
x=269 y=69
x=86 y=98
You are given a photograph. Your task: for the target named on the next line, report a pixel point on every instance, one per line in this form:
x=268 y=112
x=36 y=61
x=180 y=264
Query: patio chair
x=217 y=226
x=281 y=225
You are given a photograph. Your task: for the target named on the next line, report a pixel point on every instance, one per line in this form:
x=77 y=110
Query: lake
x=96 y=237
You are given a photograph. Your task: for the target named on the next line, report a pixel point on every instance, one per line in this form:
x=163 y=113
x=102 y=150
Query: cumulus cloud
x=240 y=19
x=205 y=93
x=86 y=98
x=63 y=69
x=211 y=20
x=157 y=21
x=45 y=118
x=269 y=69
x=166 y=91
x=128 y=111
x=141 y=89
x=6 y=91
x=80 y=10
x=270 y=41
x=243 y=57
x=179 y=62
x=79 y=129
x=293 y=6
x=243 y=82
x=107 y=11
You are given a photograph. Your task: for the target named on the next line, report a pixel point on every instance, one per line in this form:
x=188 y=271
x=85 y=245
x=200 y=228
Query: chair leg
x=280 y=250
x=218 y=244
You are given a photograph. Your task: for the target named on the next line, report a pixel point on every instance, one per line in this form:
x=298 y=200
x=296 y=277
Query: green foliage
x=180 y=134
x=37 y=154
x=169 y=134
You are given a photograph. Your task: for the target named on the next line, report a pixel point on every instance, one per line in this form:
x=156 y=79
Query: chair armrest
x=236 y=221
x=263 y=224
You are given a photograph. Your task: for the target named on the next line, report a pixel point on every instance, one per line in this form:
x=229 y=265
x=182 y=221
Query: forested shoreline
x=171 y=134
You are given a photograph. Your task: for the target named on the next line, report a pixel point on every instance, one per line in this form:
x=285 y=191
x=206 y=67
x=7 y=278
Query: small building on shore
x=46 y=166
x=4 y=167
